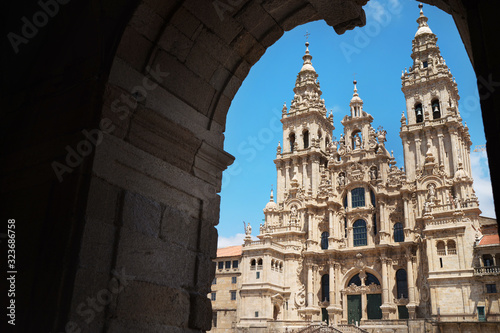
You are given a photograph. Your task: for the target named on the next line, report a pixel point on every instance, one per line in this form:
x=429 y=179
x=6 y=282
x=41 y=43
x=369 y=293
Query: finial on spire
x=307 y=36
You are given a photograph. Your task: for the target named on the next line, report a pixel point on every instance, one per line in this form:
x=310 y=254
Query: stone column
x=494 y=259
x=407 y=220
x=309 y=285
x=407 y=162
x=305 y=184
x=418 y=151
x=295 y=165
x=287 y=175
x=411 y=287
x=315 y=173
x=453 y=138
x=385 y=289
x=383 y=223
x=280 y=182
x=309 y=225
x=331 y=223
x=441 y=147
x=331 y=275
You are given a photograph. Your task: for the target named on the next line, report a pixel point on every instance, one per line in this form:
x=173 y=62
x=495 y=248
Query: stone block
x=255 y=20
x=134 y=48
x=184 y=83
x=175 y=43
x=146 y=21
x=177 y=226
x=163 y=8
x=102 y=201
x=201 y=63
x=87 y=285
x=201 y=312
x=219 y=21
x=97 y=247
x=160 y=137
x=216 y=47
x=301 y=16
x=186 y=22
x=155 y=260
x=144 y=302
x=271 y=36
x=141 y=214
x=117 y=109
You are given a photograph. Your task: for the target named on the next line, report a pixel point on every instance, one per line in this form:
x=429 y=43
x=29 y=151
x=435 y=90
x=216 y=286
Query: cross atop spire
x=307 y=35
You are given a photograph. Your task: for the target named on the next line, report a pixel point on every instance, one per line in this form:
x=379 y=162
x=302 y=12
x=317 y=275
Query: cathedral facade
x=350 y=238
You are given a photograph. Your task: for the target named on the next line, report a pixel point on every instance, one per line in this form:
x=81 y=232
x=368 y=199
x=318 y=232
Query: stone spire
x=356 y=103
x=307 y=96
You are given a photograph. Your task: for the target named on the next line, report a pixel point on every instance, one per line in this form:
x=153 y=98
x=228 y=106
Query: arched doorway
x=364 y=298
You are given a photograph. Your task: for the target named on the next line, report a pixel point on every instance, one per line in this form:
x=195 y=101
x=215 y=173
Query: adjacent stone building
x=225 y=289
x=350 y=238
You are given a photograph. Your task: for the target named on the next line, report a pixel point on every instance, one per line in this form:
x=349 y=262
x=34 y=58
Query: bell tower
x=307 y=132
x=432 y=131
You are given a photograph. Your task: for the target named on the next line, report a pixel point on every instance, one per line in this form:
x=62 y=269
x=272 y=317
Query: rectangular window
x=214 y=281
x=425 y=64
x=221 y=265
x=228 y=264
x=234 y=279
x=235 y=263
x=213 y=297
x=491 y=288
x=256 y=314
x=258 y=275
x=358 y=197
x=214 y=319
x=233 y=295
x=480 y=313
x=441 y=262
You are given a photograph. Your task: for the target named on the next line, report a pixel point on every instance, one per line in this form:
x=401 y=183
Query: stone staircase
x=322 y=328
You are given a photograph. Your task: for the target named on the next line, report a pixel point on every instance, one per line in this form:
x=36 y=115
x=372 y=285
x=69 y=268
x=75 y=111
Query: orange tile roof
x=230 y=251
x=489 y=239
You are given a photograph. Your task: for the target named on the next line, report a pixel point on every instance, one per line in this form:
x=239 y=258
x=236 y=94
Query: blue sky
x=377 y=53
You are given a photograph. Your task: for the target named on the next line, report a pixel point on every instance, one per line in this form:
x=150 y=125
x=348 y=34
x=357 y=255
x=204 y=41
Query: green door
x=374 y=301
x=353 y=309
x=324 y=315
x=403 y=312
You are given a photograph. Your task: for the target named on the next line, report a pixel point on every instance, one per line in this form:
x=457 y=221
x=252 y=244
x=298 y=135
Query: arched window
x=359 y=233
x=441 y=250
x=324 y=240
x=451 y=247
x=253 y=263
x=259 y=264
x=402 y=283
x=325 y=288
x=305 y=134
x=418 y=113
x=356 y=280
x=487 y=260
x=370 y=278
x=399 y=235
x=358 y=197
x=292 y=141
x=436 y=111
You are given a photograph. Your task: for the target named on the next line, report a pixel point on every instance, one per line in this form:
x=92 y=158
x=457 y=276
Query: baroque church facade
x=350 y=238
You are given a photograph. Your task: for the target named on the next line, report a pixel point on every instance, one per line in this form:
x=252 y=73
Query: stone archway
x=133 y=216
